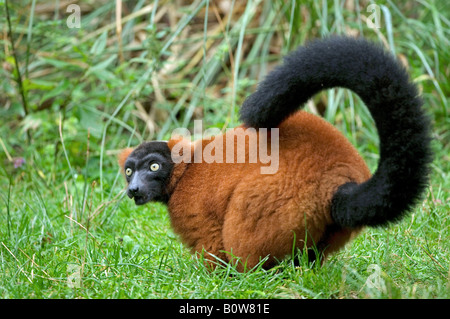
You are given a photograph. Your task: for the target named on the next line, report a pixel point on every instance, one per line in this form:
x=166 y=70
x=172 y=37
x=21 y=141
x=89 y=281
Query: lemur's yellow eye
x=154 y=167
x=128 y=171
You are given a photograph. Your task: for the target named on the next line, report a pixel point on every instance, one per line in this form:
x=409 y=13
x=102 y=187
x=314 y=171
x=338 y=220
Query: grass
x=66 y=229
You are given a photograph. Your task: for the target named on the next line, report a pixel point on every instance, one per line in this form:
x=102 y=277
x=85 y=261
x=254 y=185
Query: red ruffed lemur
x=322 y=193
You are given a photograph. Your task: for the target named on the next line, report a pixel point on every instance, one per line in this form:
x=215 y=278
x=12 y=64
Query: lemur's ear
x=123 y=155
x=180 y=145
x=177 y=139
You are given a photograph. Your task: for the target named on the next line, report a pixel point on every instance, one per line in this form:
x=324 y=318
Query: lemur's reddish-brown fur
x=123 y=155
x=226 y=208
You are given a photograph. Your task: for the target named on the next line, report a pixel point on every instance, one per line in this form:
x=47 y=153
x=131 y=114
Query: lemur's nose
x=133 y=190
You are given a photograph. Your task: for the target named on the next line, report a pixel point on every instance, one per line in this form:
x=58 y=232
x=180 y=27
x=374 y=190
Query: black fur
x=394 y=103
x=145 y=185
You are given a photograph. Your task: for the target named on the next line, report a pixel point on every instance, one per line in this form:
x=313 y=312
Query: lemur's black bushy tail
x=394 y=103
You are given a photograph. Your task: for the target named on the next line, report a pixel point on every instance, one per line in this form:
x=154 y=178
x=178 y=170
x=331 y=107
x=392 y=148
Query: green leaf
x=62 y=64
x=102 y=65
x=91 y=121
x=100 y=44
x=60 y=89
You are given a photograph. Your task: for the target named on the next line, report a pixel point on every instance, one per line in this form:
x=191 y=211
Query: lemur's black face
x=147 y=171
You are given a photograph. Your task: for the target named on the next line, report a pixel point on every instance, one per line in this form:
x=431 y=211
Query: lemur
x=322 y=193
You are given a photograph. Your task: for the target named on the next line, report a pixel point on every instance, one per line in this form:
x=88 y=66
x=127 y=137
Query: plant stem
x=19 y=77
